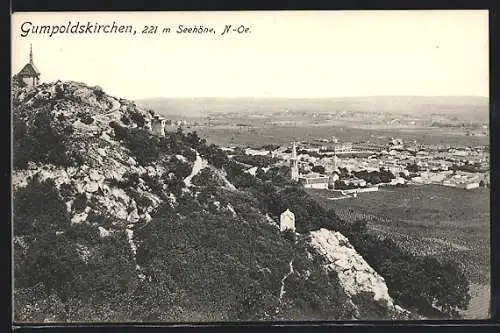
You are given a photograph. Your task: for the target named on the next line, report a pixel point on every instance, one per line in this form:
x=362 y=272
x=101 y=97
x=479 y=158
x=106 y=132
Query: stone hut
x=287 y=221
x=158 y=125
x=29 y=74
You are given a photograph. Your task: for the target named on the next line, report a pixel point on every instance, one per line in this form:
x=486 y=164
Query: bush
x=371 y=309
x=39 y=208
x=98 y=92
x=261 y=161
x=138 y=118
x=83 y=233
x=206 y=178
x=231 y=270
x=80 y=202
x=49 y=305
x=318 y=169
x=85 y=117
x=124 y=119
x=52 y=260
x=46 y=140
x=214 y=155
x=141 y=143
x=289 y=235
x=417 y=283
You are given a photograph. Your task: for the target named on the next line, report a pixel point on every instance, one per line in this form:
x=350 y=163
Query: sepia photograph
x=274 y=166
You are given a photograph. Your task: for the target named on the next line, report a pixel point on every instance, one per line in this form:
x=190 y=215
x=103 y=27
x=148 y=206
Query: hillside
x=113 y=223
x=463 y=107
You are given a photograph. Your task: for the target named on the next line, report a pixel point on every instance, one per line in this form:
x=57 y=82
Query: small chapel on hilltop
x=29 y=74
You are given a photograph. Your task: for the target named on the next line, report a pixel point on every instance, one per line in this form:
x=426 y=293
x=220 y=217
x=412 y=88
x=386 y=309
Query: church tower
x=294 y=163
x=335 y=161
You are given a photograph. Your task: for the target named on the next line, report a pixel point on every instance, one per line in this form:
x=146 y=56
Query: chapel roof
x=29 y=70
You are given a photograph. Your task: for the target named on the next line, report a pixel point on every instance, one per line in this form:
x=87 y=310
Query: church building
x=30 y=75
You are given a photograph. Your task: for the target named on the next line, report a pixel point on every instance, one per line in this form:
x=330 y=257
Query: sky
x=296 y=54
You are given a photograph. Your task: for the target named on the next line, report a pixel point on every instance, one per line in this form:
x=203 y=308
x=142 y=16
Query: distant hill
x=463 y=107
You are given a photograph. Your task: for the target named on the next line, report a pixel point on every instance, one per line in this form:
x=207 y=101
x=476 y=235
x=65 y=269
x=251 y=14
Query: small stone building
x=287 y=221
x=29 y=74
x=158 y=125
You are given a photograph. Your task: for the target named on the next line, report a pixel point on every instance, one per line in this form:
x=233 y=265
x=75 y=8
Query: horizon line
x=300 y=98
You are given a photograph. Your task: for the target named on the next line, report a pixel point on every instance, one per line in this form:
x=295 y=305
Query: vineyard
x=448 y=223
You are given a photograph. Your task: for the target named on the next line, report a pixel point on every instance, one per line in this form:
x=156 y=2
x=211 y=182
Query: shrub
x=49 y=305
x=124 y=119
x=416 y=282
x=215 y=156
x=98 y=92
x=52 y=260
x=370 y=309
x=46 y=140
x=138 y=118
x=85 y=117
x=83 y=233
x=318 y=169
x=256 y=160
x=141 y=143
x=39 y=208
x=206 y=178
x=289 y=235
x=80 y=202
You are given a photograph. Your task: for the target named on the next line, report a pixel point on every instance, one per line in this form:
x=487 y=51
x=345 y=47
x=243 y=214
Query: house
x=314 y=181
x=337 y=148
x=29 y=74
x=287 y=221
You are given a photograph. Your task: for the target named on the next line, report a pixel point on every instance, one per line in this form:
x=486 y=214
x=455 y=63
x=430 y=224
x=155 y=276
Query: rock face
x=354 y=273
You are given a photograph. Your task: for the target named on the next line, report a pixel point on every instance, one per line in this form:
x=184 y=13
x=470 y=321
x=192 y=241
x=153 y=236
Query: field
x=450 y=223
x=258 y=136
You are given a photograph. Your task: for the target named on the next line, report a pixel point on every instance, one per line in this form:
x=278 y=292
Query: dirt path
x=282 y=289
x=198 y=165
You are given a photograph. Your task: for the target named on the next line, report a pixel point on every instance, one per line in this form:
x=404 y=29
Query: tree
x=375 y=180
x=39 y=208
x=290 y=235
x=52 y=260
x=49 y=305
x=318 y=169
x=194 y=141
x=413 y=167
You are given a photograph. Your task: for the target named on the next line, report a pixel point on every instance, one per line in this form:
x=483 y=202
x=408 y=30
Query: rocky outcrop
x=85 y=114
x=354 y=273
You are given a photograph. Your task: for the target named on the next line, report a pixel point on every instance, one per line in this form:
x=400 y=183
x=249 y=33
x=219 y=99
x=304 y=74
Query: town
x=351 y=168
